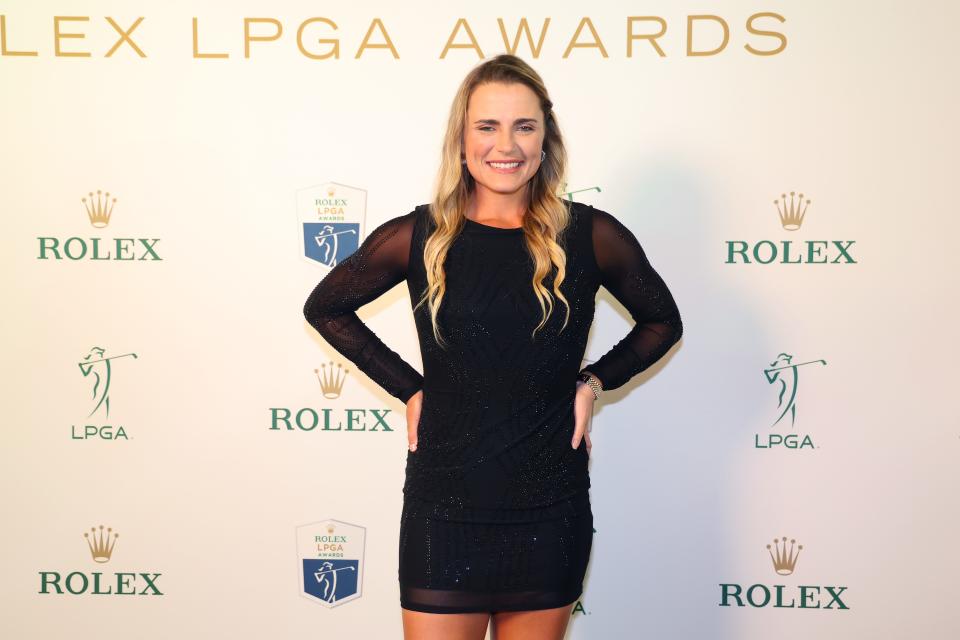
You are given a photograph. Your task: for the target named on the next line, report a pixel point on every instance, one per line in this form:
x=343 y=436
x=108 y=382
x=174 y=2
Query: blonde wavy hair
x=546 y=216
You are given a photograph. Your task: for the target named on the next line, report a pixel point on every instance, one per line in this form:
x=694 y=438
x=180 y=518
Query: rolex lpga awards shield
x=330 y=221
x=330 y=556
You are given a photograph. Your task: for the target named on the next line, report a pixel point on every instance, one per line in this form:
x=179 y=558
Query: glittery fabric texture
x=496 y=513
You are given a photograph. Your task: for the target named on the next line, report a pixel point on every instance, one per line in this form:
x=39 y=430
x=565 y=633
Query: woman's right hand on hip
x=413 y=418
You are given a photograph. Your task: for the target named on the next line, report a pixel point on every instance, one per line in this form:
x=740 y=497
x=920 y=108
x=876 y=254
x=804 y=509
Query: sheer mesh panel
x=626 y=273
x=441 y=601
x=379 y=264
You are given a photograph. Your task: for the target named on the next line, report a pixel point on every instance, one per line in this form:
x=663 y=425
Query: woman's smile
x=505 y=167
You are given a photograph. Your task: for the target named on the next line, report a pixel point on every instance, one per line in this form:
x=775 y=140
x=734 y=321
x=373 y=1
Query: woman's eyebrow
x=517 y=121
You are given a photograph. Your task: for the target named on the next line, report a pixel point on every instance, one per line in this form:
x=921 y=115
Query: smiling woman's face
x=504 y=123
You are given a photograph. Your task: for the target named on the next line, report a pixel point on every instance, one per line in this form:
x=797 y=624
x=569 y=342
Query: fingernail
x=413 y=447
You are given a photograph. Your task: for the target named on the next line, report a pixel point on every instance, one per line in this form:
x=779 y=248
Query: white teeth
x=504 y=165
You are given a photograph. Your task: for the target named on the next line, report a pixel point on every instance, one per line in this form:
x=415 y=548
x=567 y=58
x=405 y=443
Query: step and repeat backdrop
x=185 y=457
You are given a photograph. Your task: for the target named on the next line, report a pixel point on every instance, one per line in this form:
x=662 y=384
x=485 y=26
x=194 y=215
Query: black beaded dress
x=496 y=511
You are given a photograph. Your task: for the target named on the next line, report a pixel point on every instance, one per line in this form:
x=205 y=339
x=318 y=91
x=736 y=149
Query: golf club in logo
x=97 y=368
x=570 y=193
x=330 y=220
x=330 y=557
x=784 y=375
x=792 y=211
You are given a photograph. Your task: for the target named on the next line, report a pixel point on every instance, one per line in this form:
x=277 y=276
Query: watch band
x=592 y=382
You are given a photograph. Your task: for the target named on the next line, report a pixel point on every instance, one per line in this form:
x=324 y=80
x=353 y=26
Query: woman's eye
x=526 y=128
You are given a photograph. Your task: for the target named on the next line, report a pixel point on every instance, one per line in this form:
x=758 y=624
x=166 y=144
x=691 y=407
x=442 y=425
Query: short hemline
x=564 y=602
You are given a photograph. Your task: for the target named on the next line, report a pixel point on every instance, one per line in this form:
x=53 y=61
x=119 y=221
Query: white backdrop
x=205 y=157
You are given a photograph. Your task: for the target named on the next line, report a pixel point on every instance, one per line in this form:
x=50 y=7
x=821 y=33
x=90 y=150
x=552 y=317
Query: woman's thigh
x=541 y=624
x=418 y=625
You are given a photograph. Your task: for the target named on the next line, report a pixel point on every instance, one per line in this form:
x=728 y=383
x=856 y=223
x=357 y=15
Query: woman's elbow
x=677 y=328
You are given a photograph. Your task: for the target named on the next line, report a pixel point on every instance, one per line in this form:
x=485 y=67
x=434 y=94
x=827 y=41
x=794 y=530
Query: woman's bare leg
x=418 y=625
x=541 y=624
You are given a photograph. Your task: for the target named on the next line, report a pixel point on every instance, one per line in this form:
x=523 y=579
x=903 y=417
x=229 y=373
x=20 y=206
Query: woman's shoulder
x=603 y=234
x=599 y=224
x=421 y=218
x=402 y=224
x=584 y=218
x=584 y=213
x=393 y=235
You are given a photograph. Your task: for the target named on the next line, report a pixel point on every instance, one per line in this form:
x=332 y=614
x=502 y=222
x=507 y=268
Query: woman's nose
x=505 y=142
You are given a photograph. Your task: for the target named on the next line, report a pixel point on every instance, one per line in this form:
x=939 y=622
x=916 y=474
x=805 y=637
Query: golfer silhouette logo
x=328 y=242
x=785 y=375
x=97 y=367
x=327 y=577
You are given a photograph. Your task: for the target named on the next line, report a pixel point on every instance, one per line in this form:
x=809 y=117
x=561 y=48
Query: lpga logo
x=784 y=375
x=330 y=554
x=97 y=368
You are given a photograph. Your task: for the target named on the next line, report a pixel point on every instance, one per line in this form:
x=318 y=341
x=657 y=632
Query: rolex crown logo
x=784 y=561
x=99 y=208
x=791 y=215
x=331 y=381
x=331 y=190
x=100 y=543
x=330 y=529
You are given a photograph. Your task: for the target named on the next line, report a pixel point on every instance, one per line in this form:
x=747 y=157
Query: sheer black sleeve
x=379 y=264
x=627 y=274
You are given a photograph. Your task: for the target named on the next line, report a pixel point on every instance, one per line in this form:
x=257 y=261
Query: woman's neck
x=504 y=209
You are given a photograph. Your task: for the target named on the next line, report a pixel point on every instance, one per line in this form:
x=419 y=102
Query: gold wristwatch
x=592 y=382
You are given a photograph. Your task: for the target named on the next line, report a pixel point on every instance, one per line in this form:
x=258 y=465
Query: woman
x=496 y=518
